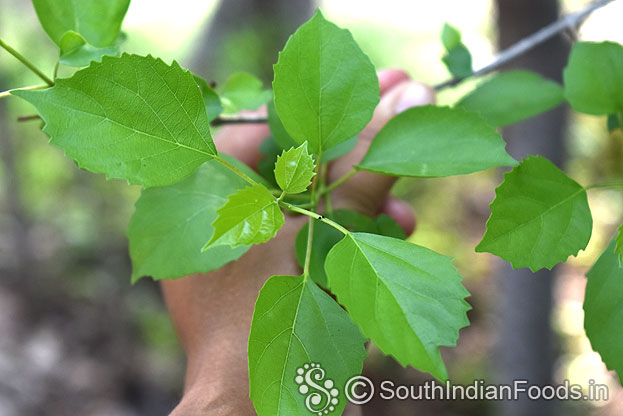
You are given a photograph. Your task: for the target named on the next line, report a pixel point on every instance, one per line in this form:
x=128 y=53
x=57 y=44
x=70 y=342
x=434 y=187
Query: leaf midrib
x=539 y=217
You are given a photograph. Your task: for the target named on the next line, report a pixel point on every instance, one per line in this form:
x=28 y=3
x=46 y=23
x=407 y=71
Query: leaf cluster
x=148 y=122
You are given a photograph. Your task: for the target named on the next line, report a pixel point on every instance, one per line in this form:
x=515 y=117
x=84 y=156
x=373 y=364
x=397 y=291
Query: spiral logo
x=321 y=396
x=366 y=390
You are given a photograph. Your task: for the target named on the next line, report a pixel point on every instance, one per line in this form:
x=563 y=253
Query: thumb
x=366 y=191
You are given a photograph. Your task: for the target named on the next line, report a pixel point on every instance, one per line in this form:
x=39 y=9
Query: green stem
x=310 y=227
x=26 y=62
x=340 y=181
x=235 y=170
x=301 y=197
x=310 y=241
x=605 y=185
x=315 y=216
x=56 y=70
x=32 y=87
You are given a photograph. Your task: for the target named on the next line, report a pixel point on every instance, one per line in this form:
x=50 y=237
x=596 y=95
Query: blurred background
x=77 y=339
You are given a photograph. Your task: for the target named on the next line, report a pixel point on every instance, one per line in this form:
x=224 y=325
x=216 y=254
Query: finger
x=243 y=141
x=389 y=78
x=401 y=212
x=366 y=191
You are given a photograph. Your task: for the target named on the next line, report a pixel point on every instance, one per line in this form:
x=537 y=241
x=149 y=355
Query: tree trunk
x=525 y=338
x=245 y=35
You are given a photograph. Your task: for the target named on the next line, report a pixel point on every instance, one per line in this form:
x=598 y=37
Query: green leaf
x=210 y=98
x=76 y=51
x=250 y=216
x=325 y=87
x=593 y=78
x=458 y=59
x=99 y=22
x=294 y=170
x=613 y=122
x=619 y=245
x=243 y=91
x=434 y=141
x=296 y=323
x=339 y=150
x=281 y=136
x=512 y=96
x=270 y=151
x=450 y=37
x=284 y=140
x=539 y=216
x=408 y=299
x=130 y=117
x=325 y=237
x=602 y=309
x=170 y=224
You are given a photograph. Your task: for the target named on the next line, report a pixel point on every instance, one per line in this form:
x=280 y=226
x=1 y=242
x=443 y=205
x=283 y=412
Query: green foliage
x=408 y=299
x=325 y=87
x=280 y=134
x=211 y=99
x=457 y=59
x=325 y=237
x=171 y=224
x=76 y=51
x=613 y=122
x=539 y=216
x=98 y=22
x=618 y=249
x=593 y=78
x=602 y=309
x=450 y=37
x=434 y=141
x=148 y=122
x=296 y=323
x=84 y=30
x=243 y=91
x=250 y=216
x=294 y=170
x=285 y=141
x=512 y=96
x=131 y=117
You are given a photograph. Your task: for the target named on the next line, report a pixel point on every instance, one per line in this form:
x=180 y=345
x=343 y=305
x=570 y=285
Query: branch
x=26 y=62
x=572 y=21
x=241 y=119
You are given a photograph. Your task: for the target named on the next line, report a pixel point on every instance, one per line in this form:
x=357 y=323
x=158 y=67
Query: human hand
x=212 y=312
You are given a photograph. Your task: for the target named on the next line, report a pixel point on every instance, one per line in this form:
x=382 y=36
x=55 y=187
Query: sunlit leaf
x=434 y=141
x=407 y=299
x=296 y=324
x=325 y=87
x=294 y=170
x=99 y=22
x=539 y=216
x=250 y=216
x=130 y=117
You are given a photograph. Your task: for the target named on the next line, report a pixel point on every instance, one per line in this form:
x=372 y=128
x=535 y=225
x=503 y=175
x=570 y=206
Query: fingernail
x=413 y=95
